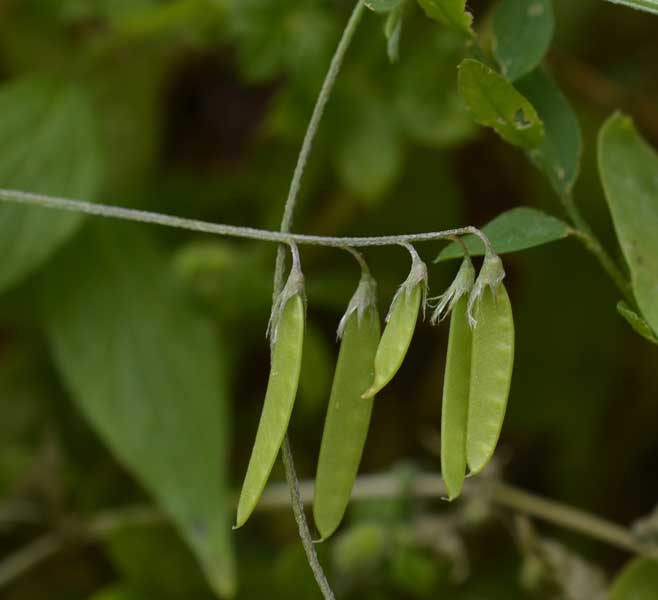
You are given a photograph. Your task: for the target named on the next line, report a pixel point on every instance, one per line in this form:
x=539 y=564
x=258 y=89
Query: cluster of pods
x=477 y=379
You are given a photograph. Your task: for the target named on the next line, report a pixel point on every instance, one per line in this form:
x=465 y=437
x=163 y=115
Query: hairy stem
x=263 y=235
x=286 y=224
x=300 y=517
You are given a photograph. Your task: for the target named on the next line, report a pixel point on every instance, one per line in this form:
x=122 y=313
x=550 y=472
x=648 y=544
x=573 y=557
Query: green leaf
x=393 y=32
x=48 y=146
x=146 y=372
x=560 y=153
x=517 y=229
x=637 y=581
x=382 y=5
x=639 y=325
x=522 y=33
x=154 y=561
x=645 y=5
x=116 y=592
x=629 y=171
x=449 y=13
x=493 y=101
x=369 y=159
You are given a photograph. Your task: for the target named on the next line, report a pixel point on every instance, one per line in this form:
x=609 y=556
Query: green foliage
x=628 y=167
x=560 y=153
x=639 y=325
x=197 y=108
x=153 y=562
x=361 y=548
x=449 y=13
x=370 y=158
x=48 y=130
x=393 y=31
x=383 y=5
x=116 y=592
x=494 y=102
x=147 y=374
x=522 y=33
x=517 y=229
x=637 y=581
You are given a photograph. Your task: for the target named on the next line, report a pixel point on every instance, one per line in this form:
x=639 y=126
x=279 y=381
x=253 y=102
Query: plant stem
x=585 y=234
x=567 y=517
x=300 y=517
x=286 y=224
x=263 y=235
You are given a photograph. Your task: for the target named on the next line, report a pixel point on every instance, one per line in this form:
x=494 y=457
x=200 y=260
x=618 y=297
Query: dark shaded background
x=204 y=110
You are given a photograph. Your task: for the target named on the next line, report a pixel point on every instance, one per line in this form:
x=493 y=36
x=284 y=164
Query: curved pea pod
x=400 y=326
x=288 y=337
x=456 y=387
x=492 y=360
x=348 y=416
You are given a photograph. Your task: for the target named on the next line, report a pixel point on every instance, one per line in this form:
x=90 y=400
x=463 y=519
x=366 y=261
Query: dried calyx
x=491 y=275
x=417 y=277
x=461 y=286
x=363 y=300
x=294 y=286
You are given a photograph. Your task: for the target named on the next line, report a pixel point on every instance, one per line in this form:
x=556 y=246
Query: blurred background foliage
x=197 y=108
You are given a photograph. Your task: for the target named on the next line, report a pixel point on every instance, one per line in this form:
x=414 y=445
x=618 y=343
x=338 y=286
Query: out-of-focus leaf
x=155 y=563
x=393 y=32
x=450 y=13
x=522 y=31
x=639 y=325
x=274 y=36
x=382 y=5
x=414 y=571
x=49 y=146
x=517 y=229
x=361 y=548
x=229 y=279
x=629 y=172
x=646 y=5
x=315 y=378
x=369 y=159
x=116 y=592
x=427 y=101
x=551 y=570
x=493 y=101
x=637 y=581
x=147 y=374
x=559 y=154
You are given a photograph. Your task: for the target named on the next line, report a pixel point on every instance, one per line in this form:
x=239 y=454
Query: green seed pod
x=348 y=416
x=456 y=381
x=456 y=386
x=287 y=336
x=400 y=326
x=492 y=360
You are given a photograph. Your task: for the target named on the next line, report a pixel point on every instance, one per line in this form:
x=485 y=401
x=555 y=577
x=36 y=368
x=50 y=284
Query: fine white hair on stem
x=417 y=276
x=365 y=296
x=294 y=286
x=461 y=286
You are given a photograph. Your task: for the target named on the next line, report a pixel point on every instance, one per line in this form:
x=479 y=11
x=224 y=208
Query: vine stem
x=422 y=486
x=263 y=235
x=584 y=233
x=286 y=224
